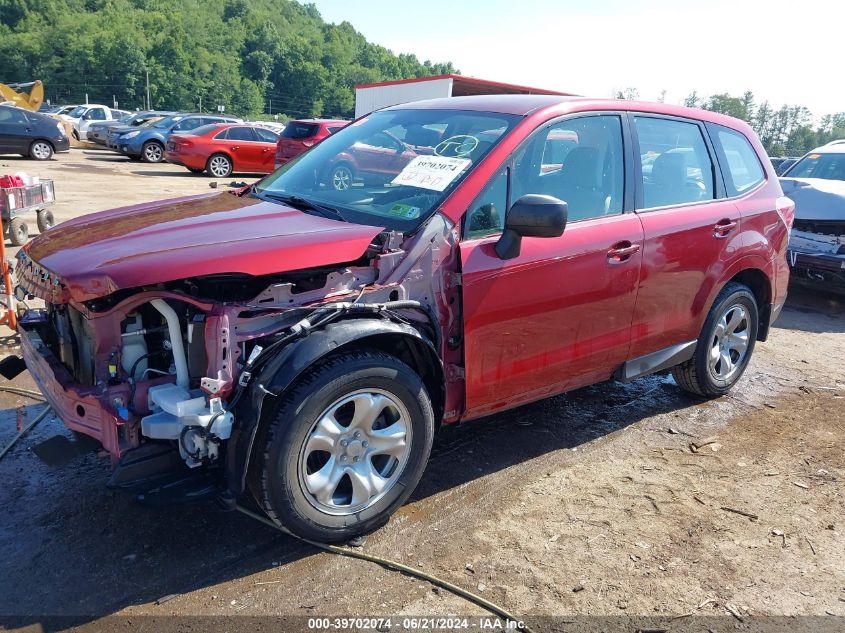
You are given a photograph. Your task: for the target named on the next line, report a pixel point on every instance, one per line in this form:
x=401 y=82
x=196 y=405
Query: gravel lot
x=596 y=502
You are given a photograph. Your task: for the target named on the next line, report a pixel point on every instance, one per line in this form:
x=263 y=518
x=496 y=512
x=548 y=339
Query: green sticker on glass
x=404 y=211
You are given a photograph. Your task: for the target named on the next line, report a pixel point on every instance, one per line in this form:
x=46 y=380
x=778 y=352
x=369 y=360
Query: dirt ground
x=613 y=500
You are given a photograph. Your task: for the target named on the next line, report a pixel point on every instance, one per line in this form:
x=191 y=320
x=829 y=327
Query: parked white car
x=82 y=116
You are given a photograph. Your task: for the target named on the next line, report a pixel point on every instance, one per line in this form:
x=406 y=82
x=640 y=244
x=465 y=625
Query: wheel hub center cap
x=355 y=448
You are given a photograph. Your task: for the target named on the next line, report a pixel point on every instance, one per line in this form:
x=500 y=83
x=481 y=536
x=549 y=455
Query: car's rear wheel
x=725 y=345
x=346 y=447
x=45 y=220
x=18 y=231
x=219 y=166
x=152 y=152
x=341 y=177
x=41 y=150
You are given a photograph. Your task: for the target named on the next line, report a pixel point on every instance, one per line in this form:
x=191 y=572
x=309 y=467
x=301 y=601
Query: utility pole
x=200 y=104
x=149 y=105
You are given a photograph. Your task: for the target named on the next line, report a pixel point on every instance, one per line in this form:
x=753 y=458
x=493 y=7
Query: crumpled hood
x=97 y=254
x=816 y=198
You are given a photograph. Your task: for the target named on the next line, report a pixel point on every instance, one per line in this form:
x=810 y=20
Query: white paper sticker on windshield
x=431 y=172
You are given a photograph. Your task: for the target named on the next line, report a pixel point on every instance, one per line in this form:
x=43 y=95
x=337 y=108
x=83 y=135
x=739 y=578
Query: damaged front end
x=817 y=241
x=186 y=365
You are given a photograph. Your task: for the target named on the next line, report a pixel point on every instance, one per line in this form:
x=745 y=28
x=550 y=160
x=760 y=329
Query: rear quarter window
x=743 y=170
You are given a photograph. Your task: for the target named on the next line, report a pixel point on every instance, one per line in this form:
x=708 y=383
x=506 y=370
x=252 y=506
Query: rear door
x=557 y=316
x=267 y=140
x=691 y=230
x=243 y=146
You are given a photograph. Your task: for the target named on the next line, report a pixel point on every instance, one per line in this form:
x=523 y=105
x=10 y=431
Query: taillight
x=308 y=143
x=786 y=210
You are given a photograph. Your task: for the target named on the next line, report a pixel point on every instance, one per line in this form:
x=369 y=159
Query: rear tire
x=724 y=346
x=45 y=220
x=41 y=150
x=152 y=152
x=18 y=231
x=219 y=166
x=346 y=447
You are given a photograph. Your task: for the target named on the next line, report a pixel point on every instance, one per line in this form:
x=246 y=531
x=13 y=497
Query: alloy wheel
x=730 y=342
x=219 y=166
x=355 y=452
x=153 y=153
x=341 y=178
x=41 y=150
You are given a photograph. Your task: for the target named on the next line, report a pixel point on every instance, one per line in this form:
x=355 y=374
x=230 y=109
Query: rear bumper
x=79 y=407
x=61 y=144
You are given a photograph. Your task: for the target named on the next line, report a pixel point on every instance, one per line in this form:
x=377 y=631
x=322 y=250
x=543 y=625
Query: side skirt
x=656 y=361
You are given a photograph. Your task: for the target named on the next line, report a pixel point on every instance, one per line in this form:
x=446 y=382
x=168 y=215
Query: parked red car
x=302 y=342
x=302 y=134
x=219 y=149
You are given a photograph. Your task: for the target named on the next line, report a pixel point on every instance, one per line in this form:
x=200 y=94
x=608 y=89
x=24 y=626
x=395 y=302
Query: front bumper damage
x=80 y=352
x=817 y=252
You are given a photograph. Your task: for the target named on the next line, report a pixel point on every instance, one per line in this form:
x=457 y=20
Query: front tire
x=152 y=152
x=725 y=345
x=41 y=150
x=346 y=447
x=341 y=177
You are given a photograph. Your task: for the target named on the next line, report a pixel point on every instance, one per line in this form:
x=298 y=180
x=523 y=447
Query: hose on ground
x=25 y=430
x=35 y=395
x=389 y=564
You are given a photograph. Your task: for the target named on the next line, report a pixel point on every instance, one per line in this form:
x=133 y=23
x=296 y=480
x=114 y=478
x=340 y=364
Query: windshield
x=826 y=166
x=391 y=168
x=77 y=112
x=167 y=122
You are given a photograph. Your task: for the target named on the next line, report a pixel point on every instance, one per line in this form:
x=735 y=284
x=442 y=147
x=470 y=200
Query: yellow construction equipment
x=13 y=93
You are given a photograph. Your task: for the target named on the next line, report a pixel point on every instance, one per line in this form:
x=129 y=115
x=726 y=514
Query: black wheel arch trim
x=293 y=360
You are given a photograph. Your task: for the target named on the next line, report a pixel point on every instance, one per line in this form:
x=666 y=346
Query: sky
x=788 y=52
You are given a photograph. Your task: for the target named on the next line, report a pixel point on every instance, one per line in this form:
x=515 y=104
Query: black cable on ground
x=25 y=430
x=389 y=564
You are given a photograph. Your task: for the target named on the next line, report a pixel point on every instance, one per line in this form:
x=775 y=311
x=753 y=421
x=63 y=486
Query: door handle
x=724 y=227
x=621 y=252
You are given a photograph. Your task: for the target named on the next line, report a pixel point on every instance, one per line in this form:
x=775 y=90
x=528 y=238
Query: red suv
x=302 y=343
x=302 y=134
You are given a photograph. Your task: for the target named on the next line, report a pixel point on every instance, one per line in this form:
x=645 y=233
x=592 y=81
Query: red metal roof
x=460 y=83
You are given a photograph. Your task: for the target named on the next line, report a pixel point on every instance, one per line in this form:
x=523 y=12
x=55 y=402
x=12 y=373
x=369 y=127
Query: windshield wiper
x=303 y=204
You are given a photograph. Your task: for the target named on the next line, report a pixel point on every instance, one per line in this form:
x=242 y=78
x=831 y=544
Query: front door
x=15 y=131
x=557 y=316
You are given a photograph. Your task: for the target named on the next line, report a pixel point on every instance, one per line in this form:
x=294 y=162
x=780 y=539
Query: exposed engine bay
x=176 y=362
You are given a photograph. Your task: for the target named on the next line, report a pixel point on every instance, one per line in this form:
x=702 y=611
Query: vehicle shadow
x=77 y=550
x=178 y=172
x=810 y=308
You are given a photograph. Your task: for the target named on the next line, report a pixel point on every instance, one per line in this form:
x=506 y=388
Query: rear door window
x=241 y=134
x=12 y=115
x=265 y=136
x=676 y=165
x=743 y=171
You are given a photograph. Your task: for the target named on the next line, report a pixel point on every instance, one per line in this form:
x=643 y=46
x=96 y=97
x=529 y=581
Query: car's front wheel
x=346 y=447
x=152 y=152
x=41 y=150
x=725 y=345
x=341 y=177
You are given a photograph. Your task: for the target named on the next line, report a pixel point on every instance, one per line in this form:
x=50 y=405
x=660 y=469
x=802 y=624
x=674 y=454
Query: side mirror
x=533 y=215
x=87 y=116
